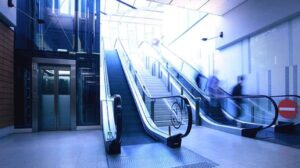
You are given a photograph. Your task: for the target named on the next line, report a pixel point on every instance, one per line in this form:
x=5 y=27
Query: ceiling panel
x=217 y=7
x=141 y=3
x=123 y=9
x=162 y=1
x=130 y=2
x=220 y=7
x=111 y=7
x=189 y=4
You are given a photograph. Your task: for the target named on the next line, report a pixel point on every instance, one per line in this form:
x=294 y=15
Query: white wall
x=254 y=16
x=8 y=13
x=264 y=59
x=295 y=40
x=190 y=47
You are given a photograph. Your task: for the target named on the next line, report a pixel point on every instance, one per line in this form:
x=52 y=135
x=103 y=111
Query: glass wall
x=59 y=27
x=132 y=26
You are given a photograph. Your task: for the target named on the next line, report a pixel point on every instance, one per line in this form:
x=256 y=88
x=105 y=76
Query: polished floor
x=65 y=149
x=232 y=151
x=204 y=146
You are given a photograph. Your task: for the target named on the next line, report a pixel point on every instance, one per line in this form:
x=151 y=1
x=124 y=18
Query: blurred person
x=237 y=90
x=198 y=80
x=212 y=89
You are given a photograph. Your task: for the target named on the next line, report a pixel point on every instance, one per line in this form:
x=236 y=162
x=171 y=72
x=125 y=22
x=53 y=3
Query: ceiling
x=216 y=7
x=146 y=12
x=155 y=8
x=152 y=11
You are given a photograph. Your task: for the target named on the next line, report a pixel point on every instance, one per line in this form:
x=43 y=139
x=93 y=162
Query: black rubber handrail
x=112 y=111
x=147 y=93
x=219 y=97
x=118 y=116
x=297 y=96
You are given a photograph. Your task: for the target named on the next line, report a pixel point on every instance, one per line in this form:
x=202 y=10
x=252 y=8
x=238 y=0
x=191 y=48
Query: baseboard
x=6 y=131
x=89 y=127
x=22 y=130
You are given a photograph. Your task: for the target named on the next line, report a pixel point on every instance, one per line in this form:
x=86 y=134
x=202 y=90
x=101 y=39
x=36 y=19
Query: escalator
x=220 y=116
x=261 y=111
x=281 y=130
x=128 y=110
x=133 y=131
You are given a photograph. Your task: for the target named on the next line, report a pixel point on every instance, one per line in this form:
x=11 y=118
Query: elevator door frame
x=42 y=62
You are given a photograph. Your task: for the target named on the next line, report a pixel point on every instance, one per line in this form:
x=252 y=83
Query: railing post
x=152 y=109
x=147 y=65
x=144 y=96
x=135 y=78
x=198 y=119
x=129 y=66
x=158 y=70
x=153 y=69
x=169 y=83
x=252 y=113
x=181 y=93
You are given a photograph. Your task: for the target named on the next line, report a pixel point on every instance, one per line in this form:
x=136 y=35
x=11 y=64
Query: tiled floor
x=232 y=151
x=74 y=149
x=85 y=149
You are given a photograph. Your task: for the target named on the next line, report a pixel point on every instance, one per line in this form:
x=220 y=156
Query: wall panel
x=6 y=76
x=296 y=51
x=229 y=66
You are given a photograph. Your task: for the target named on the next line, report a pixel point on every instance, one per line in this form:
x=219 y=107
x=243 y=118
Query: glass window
x=53 y=6
x=66 y=7
x=64 y=82
x=47 y=81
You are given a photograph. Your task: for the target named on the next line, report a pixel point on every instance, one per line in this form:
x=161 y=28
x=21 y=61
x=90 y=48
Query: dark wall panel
x=6 y=76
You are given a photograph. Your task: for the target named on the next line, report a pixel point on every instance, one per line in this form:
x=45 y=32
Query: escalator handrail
x=118 y=116
x=111 y=111
x=147 y=93
x=297 y=96
x=205 y=95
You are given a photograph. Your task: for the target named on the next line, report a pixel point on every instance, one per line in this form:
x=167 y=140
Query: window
x=66 y=7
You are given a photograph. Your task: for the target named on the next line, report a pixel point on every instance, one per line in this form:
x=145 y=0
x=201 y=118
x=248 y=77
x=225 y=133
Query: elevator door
x=55 y=98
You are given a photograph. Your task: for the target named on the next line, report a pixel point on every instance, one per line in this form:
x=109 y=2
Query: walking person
x=213 y=89
x=238 y=91
x=199 y=81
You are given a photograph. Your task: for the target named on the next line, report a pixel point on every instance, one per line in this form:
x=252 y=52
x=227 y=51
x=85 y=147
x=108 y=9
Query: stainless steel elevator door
x=54 y=98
